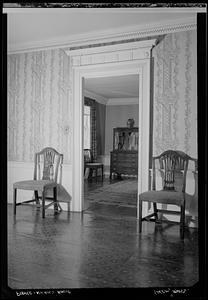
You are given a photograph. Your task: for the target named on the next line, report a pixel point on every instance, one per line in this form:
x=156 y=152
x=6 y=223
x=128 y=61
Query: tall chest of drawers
x=124 y=157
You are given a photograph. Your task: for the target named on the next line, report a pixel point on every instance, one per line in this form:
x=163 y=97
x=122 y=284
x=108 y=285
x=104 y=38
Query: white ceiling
x=28 y=27
x=114 y=87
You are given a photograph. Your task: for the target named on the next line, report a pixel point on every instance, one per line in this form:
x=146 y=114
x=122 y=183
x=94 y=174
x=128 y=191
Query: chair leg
x=96 y=174
x=90 y=173
x=14 y=200
x=68 y=206
x=140 y=216
x=182 y=220
x=55 y=199
x=37 y=199
x=43 y=204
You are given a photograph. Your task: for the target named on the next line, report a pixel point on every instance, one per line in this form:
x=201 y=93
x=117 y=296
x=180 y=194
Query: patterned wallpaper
x=39 y=110
x=175 y=93
x=40 y=103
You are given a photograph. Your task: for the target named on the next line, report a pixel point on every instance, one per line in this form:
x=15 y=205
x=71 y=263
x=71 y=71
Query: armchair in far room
x=91 y=164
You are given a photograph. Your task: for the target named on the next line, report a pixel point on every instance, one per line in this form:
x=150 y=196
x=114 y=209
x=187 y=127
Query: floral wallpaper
x=39 y=106
x=175 y=93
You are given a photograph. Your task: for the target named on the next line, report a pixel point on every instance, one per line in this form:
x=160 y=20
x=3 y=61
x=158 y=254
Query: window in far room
x=87 y=129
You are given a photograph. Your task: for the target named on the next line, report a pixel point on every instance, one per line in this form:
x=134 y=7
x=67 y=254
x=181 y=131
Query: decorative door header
x=111 y=53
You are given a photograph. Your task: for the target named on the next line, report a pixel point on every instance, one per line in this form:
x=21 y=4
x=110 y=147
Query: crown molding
x=93 y=95
x=108 y=36
x=111 y=101
x=123 y=101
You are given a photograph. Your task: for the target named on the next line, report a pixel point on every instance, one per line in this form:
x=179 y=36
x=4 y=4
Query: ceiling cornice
x=123 y=101
x=111 y=101
x=108 y=36
x=95 y=96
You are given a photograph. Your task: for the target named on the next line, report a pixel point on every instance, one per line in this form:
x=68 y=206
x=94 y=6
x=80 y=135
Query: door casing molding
x=138 y=65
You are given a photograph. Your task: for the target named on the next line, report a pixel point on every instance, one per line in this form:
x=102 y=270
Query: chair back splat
x=48 y=165
x=172 y=167
x=88 y=158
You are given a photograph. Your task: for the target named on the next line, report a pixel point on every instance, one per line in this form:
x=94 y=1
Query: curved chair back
x=48 y=165
x=88 y=158
x=173 y=166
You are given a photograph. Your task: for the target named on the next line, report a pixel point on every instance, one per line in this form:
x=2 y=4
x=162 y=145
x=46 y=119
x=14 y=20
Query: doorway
x=140 y=67
x=116 y=99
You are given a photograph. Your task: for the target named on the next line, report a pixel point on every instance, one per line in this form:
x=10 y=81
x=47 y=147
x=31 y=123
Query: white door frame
x=140 y=67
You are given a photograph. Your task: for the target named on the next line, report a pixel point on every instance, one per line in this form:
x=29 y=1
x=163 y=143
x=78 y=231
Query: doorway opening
x=116 y=102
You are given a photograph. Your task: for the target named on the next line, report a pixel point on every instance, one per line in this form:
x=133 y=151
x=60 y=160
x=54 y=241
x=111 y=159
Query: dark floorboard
x=96 y=249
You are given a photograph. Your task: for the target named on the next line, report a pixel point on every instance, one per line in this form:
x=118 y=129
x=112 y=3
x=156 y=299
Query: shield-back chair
x=47 y=174
x=172 y=166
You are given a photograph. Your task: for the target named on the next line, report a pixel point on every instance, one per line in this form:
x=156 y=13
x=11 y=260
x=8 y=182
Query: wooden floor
x=114 y=211
x=96 y=249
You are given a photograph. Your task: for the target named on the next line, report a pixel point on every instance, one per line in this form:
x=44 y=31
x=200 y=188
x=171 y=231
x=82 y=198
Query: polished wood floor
x=114 y=211
x=98 y=248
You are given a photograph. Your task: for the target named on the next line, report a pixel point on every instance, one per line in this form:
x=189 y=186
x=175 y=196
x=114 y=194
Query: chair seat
x=36 y=185
x=167 y=197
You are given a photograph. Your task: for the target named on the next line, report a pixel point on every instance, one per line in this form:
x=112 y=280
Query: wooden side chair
x=172 y=166
x=47 y=173
x=91 y=164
